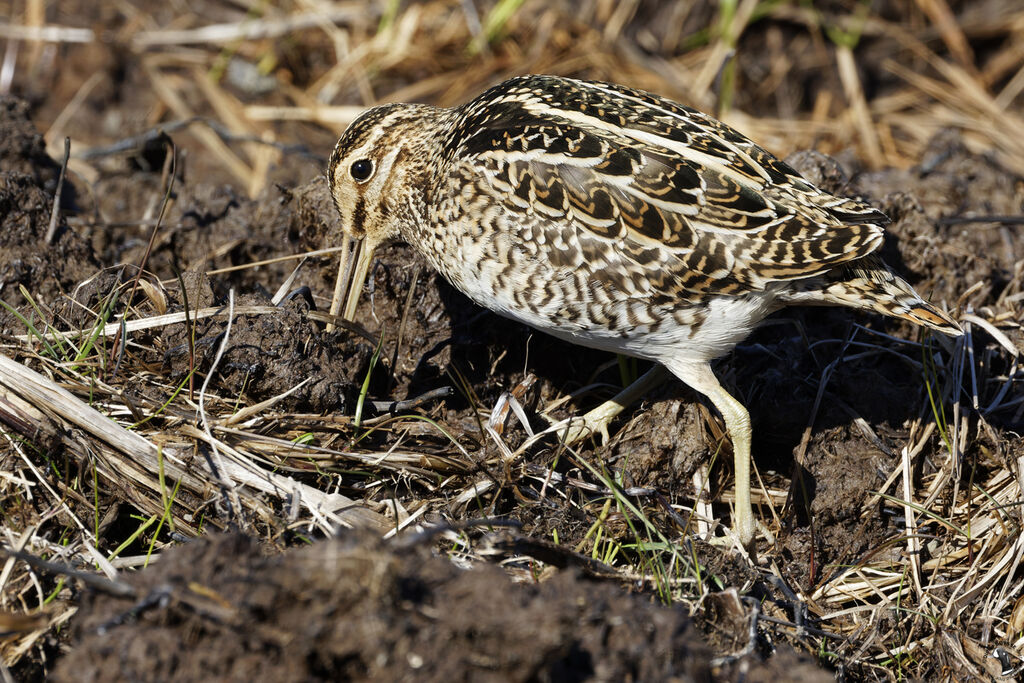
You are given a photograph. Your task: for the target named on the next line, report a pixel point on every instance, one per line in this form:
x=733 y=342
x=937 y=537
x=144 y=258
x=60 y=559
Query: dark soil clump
x=359 y=609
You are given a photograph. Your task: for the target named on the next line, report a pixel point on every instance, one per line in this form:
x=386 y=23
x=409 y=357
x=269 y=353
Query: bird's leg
x=737 y=422
x=597 y=420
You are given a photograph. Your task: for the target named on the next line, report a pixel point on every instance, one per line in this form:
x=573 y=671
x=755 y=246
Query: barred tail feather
x=928 y=315
x=868 y=283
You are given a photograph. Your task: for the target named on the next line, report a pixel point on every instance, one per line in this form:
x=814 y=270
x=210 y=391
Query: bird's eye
x=361 y=170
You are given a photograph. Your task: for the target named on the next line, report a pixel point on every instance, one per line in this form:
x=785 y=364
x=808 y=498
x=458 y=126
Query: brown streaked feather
x=869 y=284
x=722 y=236
x=718 y=228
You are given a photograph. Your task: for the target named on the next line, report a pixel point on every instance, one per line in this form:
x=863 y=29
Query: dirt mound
x=22 y=148
x=359 y=609
x=28 y=179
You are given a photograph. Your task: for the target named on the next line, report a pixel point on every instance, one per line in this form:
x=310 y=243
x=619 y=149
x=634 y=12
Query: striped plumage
x=616 y=219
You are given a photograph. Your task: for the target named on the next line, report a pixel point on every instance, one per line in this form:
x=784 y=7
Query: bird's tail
x=868 y=283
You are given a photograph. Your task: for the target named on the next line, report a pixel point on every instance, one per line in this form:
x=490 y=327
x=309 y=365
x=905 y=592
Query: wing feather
x=691 y=203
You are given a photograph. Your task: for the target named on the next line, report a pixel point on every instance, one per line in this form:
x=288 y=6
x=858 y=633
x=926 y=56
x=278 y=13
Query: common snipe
x=616 y=219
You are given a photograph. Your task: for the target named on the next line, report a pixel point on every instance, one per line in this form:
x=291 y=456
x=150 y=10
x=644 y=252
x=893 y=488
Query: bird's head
x=378 y=175
x=378 y=167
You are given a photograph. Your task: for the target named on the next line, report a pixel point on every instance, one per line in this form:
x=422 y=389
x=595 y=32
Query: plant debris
x=271 y=491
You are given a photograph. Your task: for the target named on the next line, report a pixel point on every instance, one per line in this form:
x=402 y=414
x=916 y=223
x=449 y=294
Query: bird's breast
x=514 y=275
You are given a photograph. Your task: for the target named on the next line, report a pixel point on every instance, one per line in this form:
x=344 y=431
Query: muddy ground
x=356 y=609
x=230 y=607
x=359 y=608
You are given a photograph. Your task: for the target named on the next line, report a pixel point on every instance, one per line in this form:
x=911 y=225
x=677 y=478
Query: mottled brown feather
x=716 y=231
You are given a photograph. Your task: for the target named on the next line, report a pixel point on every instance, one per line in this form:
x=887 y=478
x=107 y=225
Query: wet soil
x=354 y=607
x=28 y=182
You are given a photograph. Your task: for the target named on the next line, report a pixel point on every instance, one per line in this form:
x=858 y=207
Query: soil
x=28 y=181
x=355 y=607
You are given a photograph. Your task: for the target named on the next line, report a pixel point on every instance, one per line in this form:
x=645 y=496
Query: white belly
x=683 y=332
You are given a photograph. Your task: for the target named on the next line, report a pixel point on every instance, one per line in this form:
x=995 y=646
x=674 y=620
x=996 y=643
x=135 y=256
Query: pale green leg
x=737 y=421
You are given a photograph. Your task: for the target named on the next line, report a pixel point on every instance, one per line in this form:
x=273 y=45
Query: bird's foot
x=594 y=422
x=597 y=420
x=734 y=540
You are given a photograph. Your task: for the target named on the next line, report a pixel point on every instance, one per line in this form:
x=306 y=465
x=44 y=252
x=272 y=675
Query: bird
x=616 y=219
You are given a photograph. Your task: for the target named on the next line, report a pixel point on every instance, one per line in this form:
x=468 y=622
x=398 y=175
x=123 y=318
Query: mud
x=363 y=609
x=358 y=609
x=28 y=181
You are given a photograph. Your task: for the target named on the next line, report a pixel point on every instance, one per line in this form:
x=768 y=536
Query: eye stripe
x=359 y=213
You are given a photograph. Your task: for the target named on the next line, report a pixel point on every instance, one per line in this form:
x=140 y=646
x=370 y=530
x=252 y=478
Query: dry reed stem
x=952 y=35
x=46 y=34
x=169 y=95
x=962 y=581
x=248 y=29
x=137 y=458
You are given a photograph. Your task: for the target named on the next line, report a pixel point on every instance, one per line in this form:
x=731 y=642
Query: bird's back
x=606 y=214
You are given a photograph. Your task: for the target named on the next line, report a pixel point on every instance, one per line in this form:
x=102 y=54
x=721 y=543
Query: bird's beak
x=349 y=283
x=363 y=256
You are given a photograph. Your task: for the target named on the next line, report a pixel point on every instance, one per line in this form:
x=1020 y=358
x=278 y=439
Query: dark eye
x=361 y=170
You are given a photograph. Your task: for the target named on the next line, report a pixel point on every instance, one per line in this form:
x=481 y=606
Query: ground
x=517 y=559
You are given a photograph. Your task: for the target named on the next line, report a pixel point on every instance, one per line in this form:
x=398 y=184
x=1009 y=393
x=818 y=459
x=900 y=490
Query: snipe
x=616 y=219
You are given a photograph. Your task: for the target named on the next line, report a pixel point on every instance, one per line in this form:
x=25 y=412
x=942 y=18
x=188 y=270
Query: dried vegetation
x=166 y=369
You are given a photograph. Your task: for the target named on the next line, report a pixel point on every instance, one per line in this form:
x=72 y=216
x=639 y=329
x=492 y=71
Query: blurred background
x=874 y=80
x=918 y=100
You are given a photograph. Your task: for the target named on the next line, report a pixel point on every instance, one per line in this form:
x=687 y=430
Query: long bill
x=364 y=250
x=341 y=279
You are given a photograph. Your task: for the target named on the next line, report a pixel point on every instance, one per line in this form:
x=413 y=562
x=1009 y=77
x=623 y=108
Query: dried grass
x=930 y=603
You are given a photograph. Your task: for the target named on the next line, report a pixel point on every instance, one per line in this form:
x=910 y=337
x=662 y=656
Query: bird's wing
x=637 y=181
